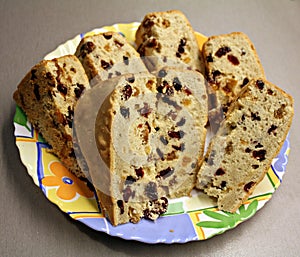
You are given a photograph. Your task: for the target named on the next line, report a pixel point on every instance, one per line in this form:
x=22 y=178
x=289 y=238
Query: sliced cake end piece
x=48 y=96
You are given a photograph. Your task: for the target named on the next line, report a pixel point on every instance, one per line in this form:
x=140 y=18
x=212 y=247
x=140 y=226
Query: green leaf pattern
x=227 y=220
x=20 y=118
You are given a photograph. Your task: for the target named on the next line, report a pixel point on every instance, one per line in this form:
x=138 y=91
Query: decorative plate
x=187 y=219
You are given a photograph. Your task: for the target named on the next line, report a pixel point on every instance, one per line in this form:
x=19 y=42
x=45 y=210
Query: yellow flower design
x=68 y=184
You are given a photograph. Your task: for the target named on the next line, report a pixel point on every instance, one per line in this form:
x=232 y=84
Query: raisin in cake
x=231 y=62
x=48 y=95
x=107 y=55
x=168 y=38
x=249 y=138
x=151 y=132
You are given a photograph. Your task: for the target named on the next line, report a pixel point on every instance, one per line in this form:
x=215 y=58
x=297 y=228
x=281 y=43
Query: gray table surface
x=31 y=226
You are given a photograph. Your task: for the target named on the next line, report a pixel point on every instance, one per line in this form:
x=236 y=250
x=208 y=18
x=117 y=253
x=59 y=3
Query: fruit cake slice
x=180 y=133
x=167 y=38
x=108 y=55
x=48 y=96
x=249 y=138
x=150 y=132
x=231 y=61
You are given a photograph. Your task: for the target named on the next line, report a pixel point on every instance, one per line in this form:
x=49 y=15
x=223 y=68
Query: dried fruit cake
x=231 y=61
x=167 y=38
x=107 y=55
x=48 y=96
x=248 y=139
x=151 y=133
